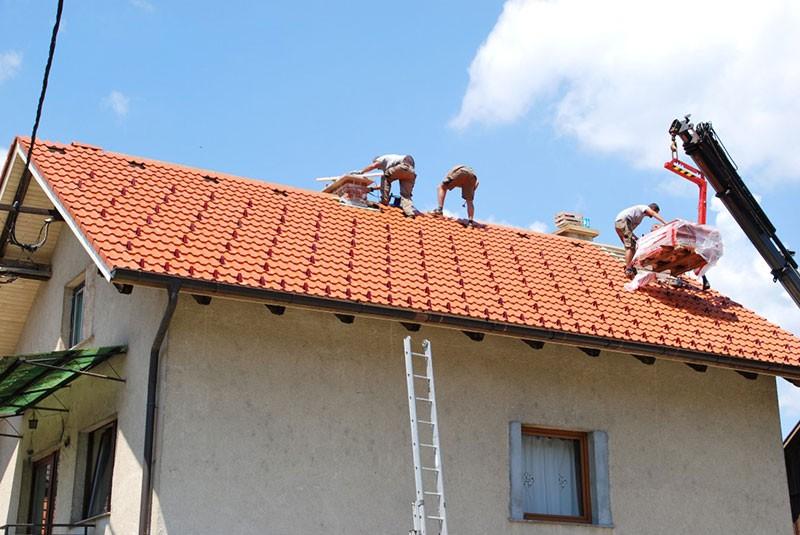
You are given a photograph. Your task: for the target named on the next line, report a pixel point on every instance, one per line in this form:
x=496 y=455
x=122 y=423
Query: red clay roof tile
x=164 y=218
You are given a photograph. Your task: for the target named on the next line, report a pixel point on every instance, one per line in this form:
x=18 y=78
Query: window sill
x=107 y=514
x=561 y=523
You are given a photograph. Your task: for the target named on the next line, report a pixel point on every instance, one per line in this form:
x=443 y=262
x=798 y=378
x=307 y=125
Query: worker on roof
x=464 y=177
x=626 y=222
x=396 y=167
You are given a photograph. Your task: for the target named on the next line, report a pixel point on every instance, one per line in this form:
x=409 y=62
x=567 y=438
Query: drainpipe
x=146 y=503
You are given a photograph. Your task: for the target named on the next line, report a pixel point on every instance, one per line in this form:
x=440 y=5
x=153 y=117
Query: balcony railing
x=52 y=529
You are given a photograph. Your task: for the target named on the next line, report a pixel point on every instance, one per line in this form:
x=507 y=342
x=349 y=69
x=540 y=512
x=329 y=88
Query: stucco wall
x=298 y=424
x=111 y=319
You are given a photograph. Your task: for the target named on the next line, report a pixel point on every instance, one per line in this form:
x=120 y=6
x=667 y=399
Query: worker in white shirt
x=626 y=222
x=396 y=167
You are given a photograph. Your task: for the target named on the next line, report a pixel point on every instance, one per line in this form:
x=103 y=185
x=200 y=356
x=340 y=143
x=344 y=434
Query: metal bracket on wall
x=534 y=344
x=590 y=351
x=474 y=336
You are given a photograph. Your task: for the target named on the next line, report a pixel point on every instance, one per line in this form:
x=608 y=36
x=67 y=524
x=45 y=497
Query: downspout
x=146 y=503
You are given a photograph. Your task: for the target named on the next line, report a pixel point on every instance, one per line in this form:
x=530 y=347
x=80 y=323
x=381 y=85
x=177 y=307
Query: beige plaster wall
x=110 y=319
x=298 y=424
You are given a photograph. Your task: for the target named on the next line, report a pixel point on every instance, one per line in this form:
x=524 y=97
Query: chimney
x=574 y=225
x=351 y=190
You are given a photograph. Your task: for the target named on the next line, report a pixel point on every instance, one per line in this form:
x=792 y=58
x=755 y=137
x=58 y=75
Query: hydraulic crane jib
x=702 y=144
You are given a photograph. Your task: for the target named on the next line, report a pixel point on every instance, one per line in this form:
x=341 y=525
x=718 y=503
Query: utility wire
x=51 y=53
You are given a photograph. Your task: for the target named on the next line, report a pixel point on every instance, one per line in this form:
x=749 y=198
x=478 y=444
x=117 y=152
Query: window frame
x=52 y=491
x=582 y=439
x=90 y=468
x=76 y=335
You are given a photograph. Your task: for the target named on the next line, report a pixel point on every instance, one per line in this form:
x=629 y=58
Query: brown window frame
x=90 y=469
x=45 y=525
x=585 y=494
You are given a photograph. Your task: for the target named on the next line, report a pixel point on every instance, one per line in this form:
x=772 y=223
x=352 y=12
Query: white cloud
x=494 y=220
x=117 y=102
x=10 y=63
x=539 y=226
x=450 y=213
x=144 y=5
x=613 y=74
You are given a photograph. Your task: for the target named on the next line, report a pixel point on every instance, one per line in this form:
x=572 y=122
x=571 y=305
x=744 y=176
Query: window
x=43 y=494
x=559 y=475
x=76 y=315
x=99 y=468
x=554 y=478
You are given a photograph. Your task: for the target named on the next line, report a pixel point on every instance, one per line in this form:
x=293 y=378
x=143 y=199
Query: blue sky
x=552 y=109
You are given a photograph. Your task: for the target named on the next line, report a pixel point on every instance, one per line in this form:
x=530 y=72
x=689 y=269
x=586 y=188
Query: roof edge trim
x=246 y=293
x=8 y=166
x=71 y=223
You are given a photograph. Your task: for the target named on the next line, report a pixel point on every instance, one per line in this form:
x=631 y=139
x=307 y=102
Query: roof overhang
x=57 y=207
x=637 y=349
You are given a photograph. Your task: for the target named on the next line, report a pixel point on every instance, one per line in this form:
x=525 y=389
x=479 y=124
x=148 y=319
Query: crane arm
x=704 y=147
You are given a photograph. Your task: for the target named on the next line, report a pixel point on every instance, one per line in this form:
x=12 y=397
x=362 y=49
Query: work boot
x=437 y=212
x=630 y=272
x=408 y=208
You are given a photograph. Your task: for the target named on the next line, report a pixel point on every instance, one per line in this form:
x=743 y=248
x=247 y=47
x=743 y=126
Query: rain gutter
x=233 y=291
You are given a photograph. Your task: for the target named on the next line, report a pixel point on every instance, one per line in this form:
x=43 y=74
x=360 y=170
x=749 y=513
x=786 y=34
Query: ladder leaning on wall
x=425 y=446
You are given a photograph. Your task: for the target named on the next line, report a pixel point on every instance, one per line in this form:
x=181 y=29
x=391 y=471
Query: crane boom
x=704 y=147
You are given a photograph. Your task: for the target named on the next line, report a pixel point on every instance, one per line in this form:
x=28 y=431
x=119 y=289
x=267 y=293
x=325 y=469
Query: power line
x=12 y=216
x=50 y=55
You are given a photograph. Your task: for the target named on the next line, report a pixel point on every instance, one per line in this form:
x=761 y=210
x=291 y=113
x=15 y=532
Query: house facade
x=293 y=418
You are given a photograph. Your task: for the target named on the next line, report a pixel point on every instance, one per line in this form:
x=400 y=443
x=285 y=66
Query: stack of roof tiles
x=170 y=219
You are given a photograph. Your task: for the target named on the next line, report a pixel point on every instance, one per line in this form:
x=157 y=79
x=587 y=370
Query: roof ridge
x=164 y=163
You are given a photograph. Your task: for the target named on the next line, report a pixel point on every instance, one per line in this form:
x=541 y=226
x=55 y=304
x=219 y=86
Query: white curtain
x=550 y=476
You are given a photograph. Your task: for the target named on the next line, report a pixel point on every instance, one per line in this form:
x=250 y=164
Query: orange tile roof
x=168 y=219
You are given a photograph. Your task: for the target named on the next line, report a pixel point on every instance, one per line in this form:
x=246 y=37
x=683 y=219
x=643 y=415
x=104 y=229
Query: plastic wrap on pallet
x=704 y=240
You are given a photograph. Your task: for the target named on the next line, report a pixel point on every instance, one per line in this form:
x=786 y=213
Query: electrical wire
x=51 y=53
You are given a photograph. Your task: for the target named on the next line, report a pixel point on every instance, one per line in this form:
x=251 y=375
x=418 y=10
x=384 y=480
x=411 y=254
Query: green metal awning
x=25 y=380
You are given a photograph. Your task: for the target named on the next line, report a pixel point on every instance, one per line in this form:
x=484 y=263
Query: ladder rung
x=430 y=469
x=431 y=493
x=425 y=422
x=428 y=446
x=424 y=399
x=423 y=355
x=436 y=518
x=422 y=377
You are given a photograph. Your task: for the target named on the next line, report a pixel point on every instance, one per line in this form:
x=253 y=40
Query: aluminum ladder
x=425 y=445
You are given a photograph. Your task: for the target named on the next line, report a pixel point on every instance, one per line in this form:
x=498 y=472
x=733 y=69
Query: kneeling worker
x=396 y=167
x=626 y=222
x=464 y=177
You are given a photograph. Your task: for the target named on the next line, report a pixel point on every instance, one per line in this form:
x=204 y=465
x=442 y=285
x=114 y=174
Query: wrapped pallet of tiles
x=675 y=248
